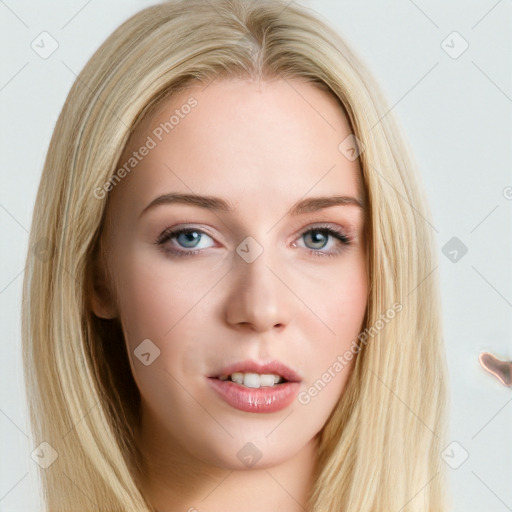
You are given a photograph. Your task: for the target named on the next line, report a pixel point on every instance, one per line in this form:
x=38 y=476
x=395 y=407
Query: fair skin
x=262 y=146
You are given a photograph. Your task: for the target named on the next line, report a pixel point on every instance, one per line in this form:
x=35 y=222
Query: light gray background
x=456 y=113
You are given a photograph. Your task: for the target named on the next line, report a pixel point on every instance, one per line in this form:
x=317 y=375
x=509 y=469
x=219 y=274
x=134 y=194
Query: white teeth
x=267 y=380
x=253 y=380
x=237 y=377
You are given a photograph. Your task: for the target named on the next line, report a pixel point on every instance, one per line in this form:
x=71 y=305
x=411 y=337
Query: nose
x=259 y=299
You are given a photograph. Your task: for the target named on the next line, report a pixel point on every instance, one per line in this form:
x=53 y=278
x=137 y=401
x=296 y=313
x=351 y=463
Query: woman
x=252 y=127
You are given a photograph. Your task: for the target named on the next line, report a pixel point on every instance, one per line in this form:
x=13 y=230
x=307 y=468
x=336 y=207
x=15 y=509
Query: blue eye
x=320 y=237
x=190 y=238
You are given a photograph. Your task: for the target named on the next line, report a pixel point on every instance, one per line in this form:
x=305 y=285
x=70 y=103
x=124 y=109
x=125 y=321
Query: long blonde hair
x=380 y=449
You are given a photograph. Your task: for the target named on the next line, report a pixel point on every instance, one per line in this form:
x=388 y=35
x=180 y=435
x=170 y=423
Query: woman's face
x=253 y=279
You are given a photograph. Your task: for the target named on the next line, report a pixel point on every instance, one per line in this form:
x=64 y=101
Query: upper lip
x=249 y=366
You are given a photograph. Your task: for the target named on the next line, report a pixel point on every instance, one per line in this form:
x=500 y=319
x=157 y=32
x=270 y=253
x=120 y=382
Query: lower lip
x=265 y=399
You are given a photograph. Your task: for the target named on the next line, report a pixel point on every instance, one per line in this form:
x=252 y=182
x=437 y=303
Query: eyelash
x=170 y=233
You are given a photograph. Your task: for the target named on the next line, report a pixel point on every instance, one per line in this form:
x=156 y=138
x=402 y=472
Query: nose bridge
x=258 y=297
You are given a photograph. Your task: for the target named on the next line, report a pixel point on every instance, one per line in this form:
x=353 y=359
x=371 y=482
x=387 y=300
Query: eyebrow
x=308 y=205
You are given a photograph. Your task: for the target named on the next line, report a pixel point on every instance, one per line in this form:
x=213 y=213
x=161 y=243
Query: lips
x=249 y=366
x=261 y=400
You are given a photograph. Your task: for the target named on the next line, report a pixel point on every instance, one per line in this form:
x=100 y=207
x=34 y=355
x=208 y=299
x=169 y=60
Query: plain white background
x=455 y=108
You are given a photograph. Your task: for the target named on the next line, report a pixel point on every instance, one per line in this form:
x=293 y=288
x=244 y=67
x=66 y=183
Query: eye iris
x=317 y=234
x=190 y=234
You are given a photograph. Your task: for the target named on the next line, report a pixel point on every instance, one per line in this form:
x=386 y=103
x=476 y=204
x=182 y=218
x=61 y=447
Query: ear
x=101 y=299
x=102 y=303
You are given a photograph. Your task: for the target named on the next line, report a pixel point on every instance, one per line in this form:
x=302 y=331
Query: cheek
x=340 y=304
x=158 y=307
x=345 y=304
x=154 y=297
x=166 y=303
x=339 y=297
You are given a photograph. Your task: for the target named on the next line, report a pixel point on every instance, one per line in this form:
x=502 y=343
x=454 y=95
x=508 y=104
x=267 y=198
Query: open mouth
x=252 y=395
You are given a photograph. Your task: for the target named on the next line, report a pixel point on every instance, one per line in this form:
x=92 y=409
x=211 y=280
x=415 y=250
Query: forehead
x=249 y=141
